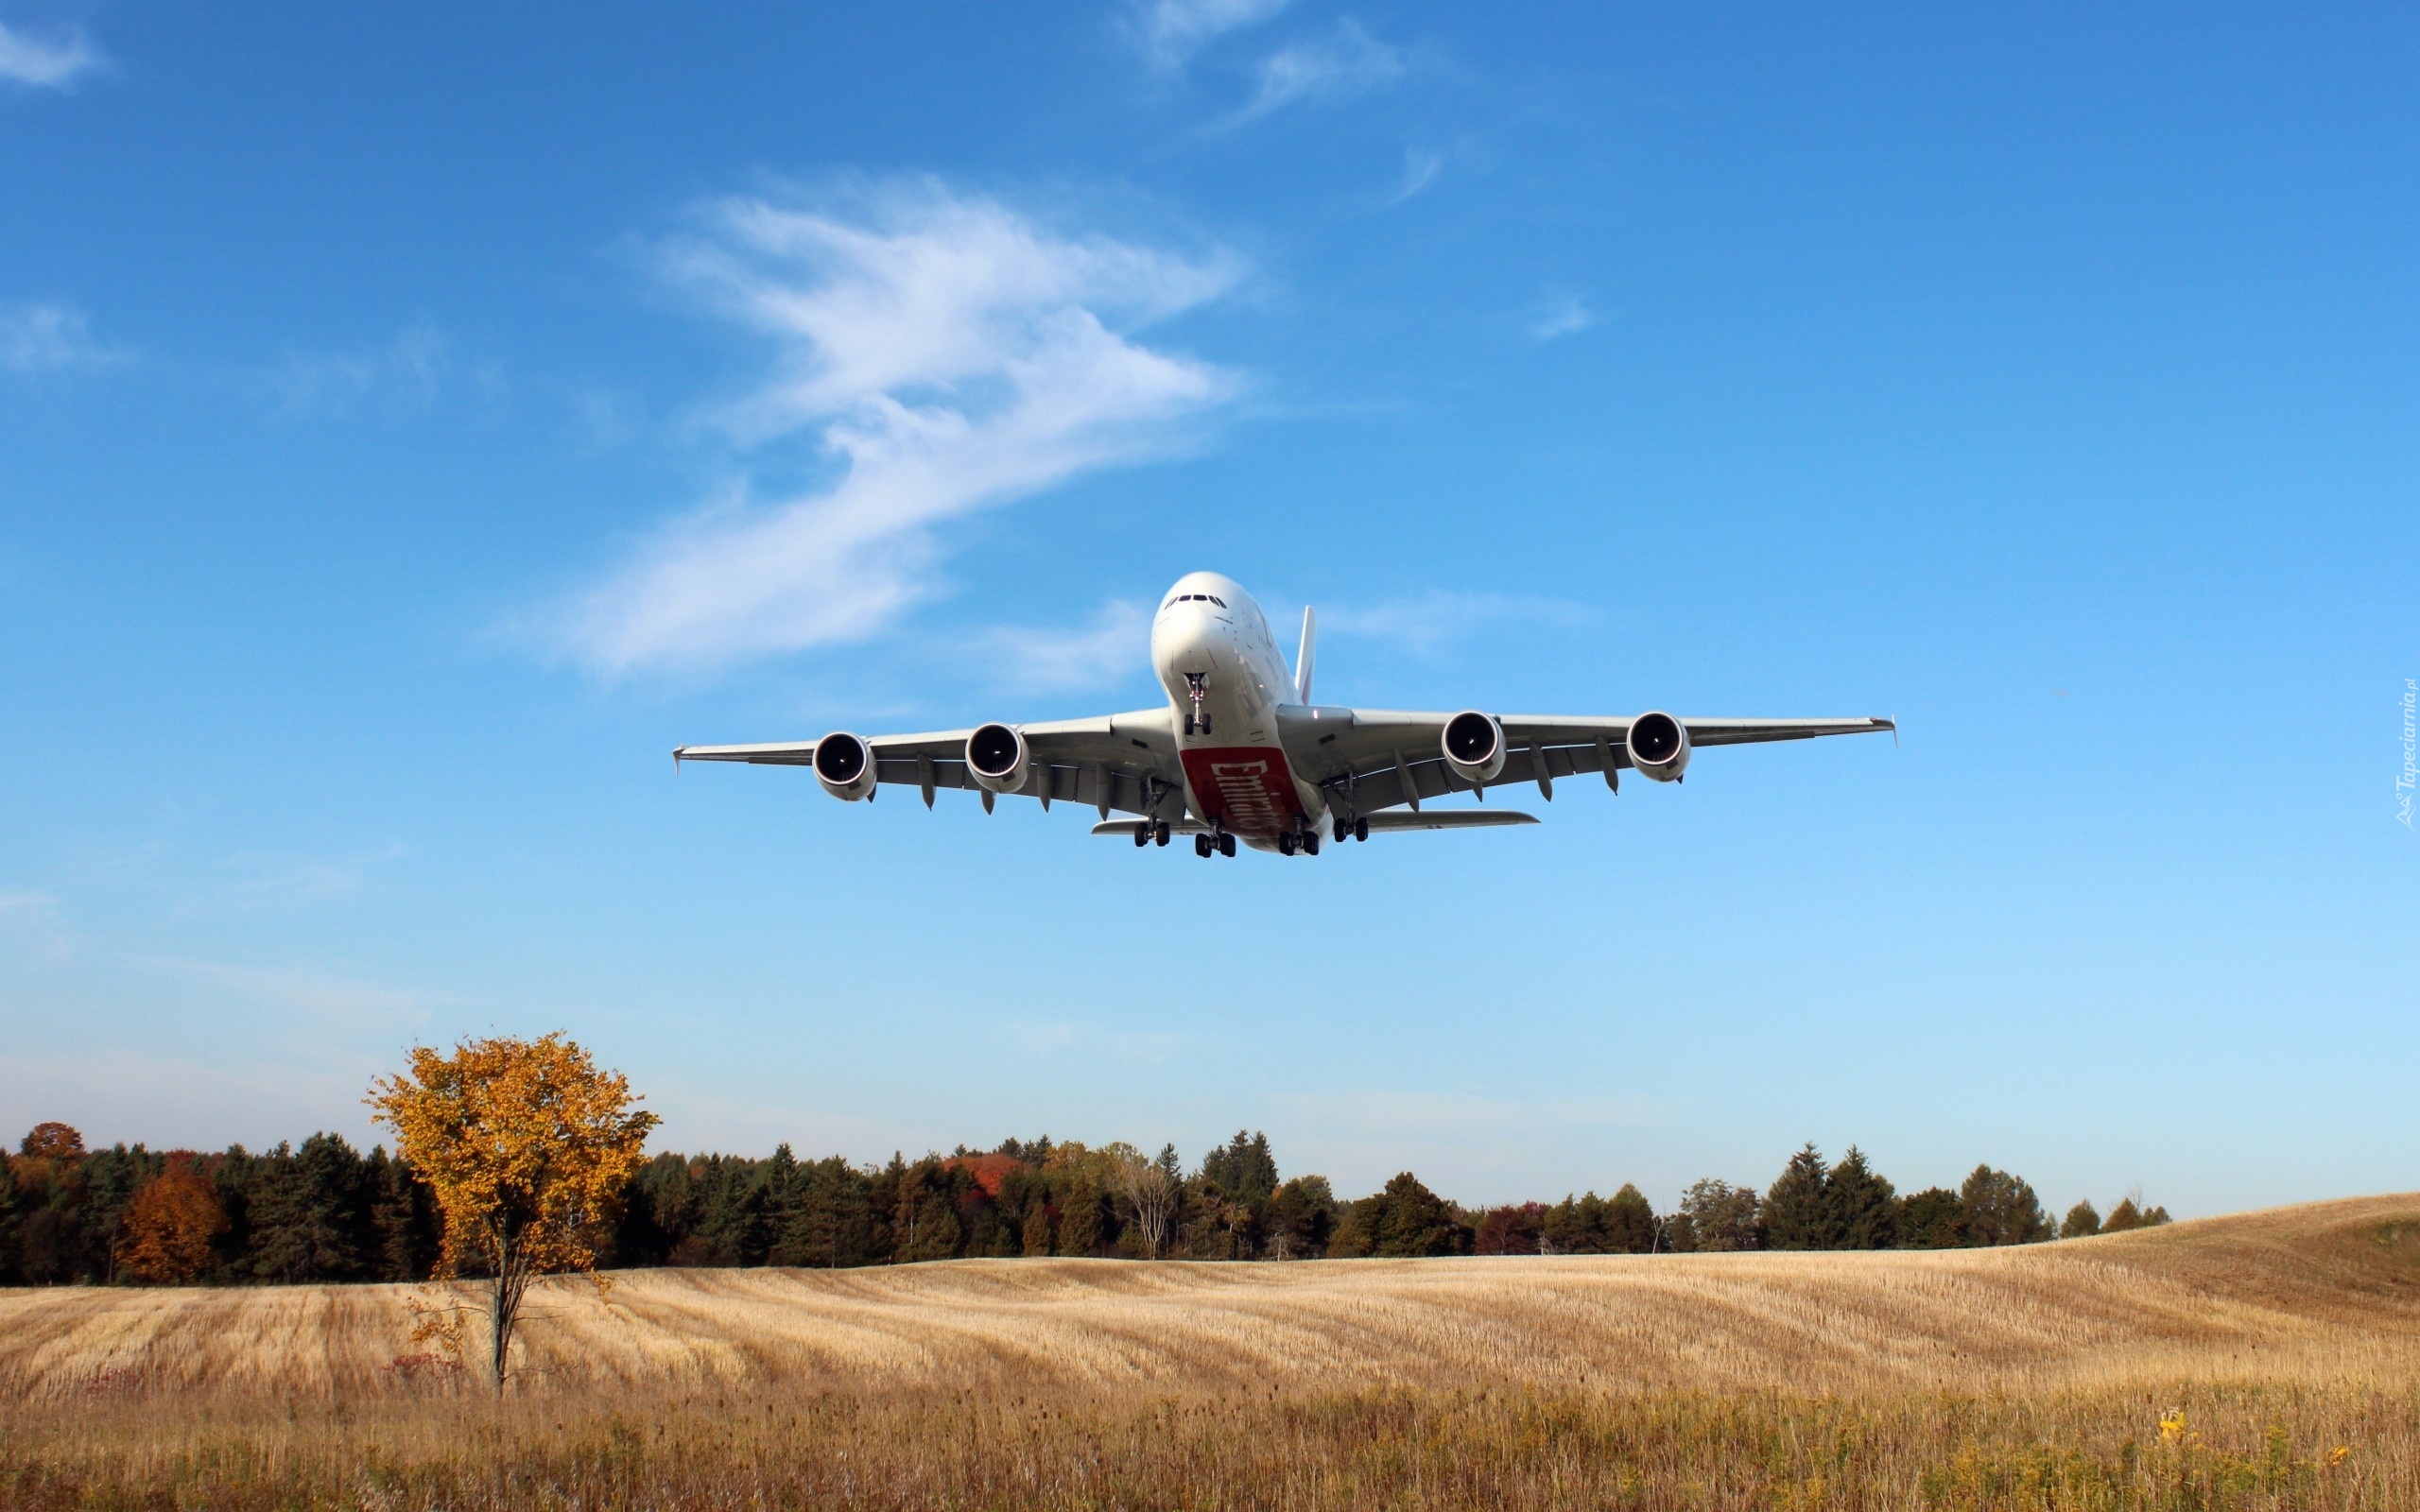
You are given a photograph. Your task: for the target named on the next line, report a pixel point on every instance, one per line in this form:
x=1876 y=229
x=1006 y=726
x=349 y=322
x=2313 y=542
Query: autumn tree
x=171 y=1225
x=1714 y=1215
x=52 y=1141
x=528 y=1147
x=1149 y=1192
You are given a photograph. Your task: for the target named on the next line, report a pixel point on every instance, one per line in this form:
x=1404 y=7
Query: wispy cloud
x=1562 y=317
x=944 y=354
x=1423 y=622
x=324 y=995
x=25 y=902
x=46 y=337
x=405 y=375
x=1169 y=32
x=267 y=882
x=53 y=63
x=1419 y=170
x=1346 y=64
x=1110 y=648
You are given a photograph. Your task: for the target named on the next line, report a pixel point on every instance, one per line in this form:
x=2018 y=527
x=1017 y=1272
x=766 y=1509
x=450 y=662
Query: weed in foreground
x=2249 y=1447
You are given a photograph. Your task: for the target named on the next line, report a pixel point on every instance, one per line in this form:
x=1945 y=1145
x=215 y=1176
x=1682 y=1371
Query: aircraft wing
x=1379 y=758
x=1125 y=761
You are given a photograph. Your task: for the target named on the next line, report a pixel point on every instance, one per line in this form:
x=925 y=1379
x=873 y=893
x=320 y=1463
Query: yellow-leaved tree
x=526 y=1146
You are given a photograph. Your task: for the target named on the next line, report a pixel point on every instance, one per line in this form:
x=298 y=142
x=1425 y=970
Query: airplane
x=1240 y=753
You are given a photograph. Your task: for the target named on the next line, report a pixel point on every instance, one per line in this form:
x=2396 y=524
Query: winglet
x=1303 y=657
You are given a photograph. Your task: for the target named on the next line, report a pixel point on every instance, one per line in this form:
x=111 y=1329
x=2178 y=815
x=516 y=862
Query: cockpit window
x=1198 y=598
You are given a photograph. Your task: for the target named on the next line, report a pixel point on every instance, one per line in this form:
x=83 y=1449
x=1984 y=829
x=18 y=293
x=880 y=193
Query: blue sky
x=414 y=423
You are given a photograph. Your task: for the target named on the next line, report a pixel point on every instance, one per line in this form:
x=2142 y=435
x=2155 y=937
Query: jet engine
x=1659 y=747
x=995 y=757
x=1473 y=746
x=845 y=765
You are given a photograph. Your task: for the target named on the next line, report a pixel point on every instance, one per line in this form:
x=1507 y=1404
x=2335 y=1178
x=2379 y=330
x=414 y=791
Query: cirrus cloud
x=37 y=63
x=943 y=353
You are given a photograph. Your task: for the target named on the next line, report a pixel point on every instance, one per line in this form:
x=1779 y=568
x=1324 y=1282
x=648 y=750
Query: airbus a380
x=1240 y=753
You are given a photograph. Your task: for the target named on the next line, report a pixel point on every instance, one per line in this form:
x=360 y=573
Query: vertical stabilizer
x=1303 y=657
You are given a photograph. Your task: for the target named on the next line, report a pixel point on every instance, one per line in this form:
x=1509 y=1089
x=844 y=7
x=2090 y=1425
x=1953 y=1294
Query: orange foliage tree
x=527 y=1147
x=170 y=1225
x=53 y=1142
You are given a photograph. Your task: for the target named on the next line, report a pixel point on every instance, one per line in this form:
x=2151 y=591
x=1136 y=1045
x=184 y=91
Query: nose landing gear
x=1197 y=684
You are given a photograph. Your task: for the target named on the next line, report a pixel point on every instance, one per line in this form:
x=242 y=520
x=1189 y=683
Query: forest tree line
x=322 y=1211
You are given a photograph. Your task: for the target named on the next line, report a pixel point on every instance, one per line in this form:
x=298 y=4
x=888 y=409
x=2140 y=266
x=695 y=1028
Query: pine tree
x=1797 y=1210
x=307 y=1213
x=1998 y=1209
x=1932 y=1219
x=1404 y=1220
x=9 y=1219
x=2082 y=1222
x=831 y=1219
x=1629 y=1222
x=1863 y=1209
x=404 y=1241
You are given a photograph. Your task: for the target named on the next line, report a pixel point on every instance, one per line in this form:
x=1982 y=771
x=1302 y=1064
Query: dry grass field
x=2264 y=1361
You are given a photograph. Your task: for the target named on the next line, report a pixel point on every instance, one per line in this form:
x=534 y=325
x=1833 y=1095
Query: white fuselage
x=1215 y=655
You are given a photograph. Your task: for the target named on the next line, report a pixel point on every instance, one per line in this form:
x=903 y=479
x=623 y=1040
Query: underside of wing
x=1123 y=762
x=1371 y=760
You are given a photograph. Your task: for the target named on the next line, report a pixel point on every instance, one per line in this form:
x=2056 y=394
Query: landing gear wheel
x=1142 y=835
x=1311 y=843
x=1343 y=831
x=1201 y=845
x=1226 y=845
x=1160 y=832
x=1285 y=845
x=1360 y=829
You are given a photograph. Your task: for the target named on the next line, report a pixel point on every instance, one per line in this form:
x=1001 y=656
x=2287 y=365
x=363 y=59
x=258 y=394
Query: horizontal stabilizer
x=1449 y=819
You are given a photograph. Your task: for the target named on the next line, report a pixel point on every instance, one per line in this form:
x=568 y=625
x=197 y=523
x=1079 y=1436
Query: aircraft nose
x=1185 y=638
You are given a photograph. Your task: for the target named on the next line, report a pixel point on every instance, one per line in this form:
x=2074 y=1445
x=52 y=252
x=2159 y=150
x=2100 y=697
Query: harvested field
x=2283 y=1349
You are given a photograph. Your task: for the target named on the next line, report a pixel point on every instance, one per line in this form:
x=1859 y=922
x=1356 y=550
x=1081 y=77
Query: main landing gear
x=1152 y=834
x=1351 y=829
x=1307 y=843
x=1223 y=844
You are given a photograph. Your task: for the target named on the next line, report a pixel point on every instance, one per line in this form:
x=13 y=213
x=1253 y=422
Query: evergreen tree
x=10 y=1217
x=782 y=1177
x=1932 y=1219
x=2129 y=1215
x=1243 y=1168
x=2082 y=1222
x=404 y=1238
x=733 y=1225
x=1629 y=1222
x=1998 y=1209
x=1797 y=1208
x=1863 y=1209
x=1086 y=1225
x=1575 y=1225
x=307 y=1212
x=831 y=1219
x=1302 y=1219
x=1405 y=1221
x=926 y=1225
